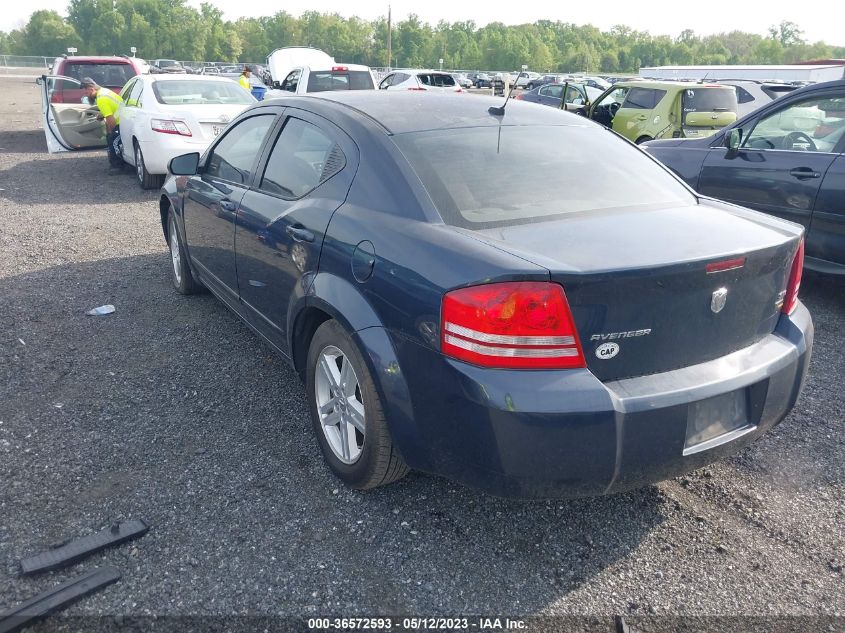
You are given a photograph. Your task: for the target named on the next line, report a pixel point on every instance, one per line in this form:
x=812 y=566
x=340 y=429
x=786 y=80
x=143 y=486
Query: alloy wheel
x=340 y=404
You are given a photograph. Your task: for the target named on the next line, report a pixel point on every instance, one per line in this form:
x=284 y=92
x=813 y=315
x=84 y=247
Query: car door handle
x=228 y=205
x=642 y=117
x=804 y=173
x=300 y=235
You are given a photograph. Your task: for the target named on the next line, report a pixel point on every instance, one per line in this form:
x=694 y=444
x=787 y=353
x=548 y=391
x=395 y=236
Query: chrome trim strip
x=512 y=352
x=483 y=337
x=721 y=439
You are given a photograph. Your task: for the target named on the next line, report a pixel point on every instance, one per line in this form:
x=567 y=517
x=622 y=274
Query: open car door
x=69 y=126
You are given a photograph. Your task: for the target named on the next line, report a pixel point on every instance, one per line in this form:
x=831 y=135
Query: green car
x=645 y=110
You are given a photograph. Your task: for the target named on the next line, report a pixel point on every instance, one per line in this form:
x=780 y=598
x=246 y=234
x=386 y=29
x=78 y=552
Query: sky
x=659 y=17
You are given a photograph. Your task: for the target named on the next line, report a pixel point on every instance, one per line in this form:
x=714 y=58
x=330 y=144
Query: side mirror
x=733 y=139
x=39 y=80
x=184 y=165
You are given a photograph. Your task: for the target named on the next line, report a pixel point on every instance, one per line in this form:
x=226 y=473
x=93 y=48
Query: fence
x=25 y=61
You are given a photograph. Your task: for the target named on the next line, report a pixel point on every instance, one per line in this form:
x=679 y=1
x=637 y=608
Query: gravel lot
x=172 y=411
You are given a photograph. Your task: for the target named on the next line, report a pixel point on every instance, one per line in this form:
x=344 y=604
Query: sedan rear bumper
x=566 y=434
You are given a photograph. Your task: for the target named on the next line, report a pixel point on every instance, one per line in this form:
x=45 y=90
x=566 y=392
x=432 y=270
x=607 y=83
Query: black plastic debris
x=82 y=547
x=56 y=598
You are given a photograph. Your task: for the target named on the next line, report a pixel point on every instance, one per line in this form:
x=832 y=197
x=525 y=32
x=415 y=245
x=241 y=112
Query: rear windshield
x=322 y=81
x=436 y=79
x=708 y=100
x=210 y=92
x=491 y=176
x=108 y=75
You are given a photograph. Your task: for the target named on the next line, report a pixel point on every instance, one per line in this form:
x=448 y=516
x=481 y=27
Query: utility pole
x=389 y=39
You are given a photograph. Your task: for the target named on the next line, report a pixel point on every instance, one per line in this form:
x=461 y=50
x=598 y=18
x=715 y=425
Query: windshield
x=204 y=92
x=709 y=100
x=162 y=63
x=490 y=176
x=322 y=81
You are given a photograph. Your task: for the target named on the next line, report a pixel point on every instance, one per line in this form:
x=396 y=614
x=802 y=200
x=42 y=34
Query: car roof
x=402 y=112
x=321 y=69
x=666 y=85
x=421 y=70
x=185 y=77
x=97 y=59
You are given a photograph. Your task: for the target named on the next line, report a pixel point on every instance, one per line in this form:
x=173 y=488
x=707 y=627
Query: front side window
x=385 y=83
x=291 y=81
x=469 y=174
x=643 y=98
x=233 y=157
x=812 y=125
x=614 y=96
x=574 y=95
x=302 y=157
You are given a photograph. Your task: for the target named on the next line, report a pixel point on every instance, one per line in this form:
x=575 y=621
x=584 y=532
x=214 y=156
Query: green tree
x=787 y=33
x=48 y=34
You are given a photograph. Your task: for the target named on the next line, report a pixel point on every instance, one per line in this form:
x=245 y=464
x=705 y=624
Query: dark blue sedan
x=608 y=330
x=785 y=159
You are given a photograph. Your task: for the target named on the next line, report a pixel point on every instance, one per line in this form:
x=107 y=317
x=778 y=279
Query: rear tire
x=145 y=179
x=347 y=414
x=180 y=271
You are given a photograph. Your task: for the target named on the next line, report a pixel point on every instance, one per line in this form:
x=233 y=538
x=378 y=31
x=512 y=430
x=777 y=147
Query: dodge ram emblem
x=717 y=302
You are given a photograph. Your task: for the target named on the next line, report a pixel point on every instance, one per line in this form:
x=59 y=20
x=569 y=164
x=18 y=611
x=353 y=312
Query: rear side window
x=134 y=97
x=742 y=95
x=483 y=177
x=302 y=158
x=643 y=98
x=322 y=81
x=436 y=80
x=233 y=157
x=108 y=75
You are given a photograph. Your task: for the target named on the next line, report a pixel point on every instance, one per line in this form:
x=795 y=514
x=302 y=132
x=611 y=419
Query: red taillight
x=793 y=284
x=518 y=325
x=342 y=69
x=519 y=97
x=167 y=126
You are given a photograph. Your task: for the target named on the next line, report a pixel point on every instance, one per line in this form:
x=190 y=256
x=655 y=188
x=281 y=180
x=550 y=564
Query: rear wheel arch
x=306 y=324
x=164 y=206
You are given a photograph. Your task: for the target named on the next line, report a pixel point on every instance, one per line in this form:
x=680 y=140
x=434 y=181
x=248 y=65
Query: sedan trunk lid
x=646 y=299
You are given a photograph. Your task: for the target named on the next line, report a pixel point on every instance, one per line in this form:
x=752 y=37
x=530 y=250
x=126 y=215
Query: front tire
x=145 y=179
x=347 y=414
x=180 y=272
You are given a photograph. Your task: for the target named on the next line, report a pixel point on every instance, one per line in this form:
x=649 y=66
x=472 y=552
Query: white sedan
x=163 y=116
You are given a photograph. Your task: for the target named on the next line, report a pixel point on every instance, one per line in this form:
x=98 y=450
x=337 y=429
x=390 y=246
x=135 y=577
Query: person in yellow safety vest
x=244 y=79
x=108 y=103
